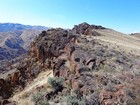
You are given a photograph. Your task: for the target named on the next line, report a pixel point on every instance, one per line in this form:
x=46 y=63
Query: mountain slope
x=96 y=66
x=137 y=35
x=120 y=37
x=16 y=38
x=28 y=36
x=6 y=27
x=11 y=46
x=125 y=42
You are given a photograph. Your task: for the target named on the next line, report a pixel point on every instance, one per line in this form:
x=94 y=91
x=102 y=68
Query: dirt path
x=41 y=80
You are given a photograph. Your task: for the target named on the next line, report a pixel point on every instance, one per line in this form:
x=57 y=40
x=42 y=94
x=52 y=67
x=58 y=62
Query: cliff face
x=91 y=69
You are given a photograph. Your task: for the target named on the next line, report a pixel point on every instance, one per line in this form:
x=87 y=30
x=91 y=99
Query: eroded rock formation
x=88 y=67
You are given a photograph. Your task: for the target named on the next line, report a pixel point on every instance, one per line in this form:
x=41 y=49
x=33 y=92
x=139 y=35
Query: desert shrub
x=74 y=100
x=39 y=99
x=110 y=87
x=57 y=83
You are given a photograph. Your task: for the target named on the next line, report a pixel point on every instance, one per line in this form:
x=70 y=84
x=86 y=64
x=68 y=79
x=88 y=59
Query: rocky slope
x=11 y=46
x=88 y=69
x=14 y=36
x=15 y=40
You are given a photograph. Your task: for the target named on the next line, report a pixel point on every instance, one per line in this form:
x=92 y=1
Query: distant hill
x=137 y=35
x=6 y=27
x=16 y=38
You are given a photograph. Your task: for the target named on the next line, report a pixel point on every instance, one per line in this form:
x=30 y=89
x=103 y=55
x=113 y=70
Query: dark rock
x=5 y=89
x=90 y=69
x=86 y=29
x=93 y=99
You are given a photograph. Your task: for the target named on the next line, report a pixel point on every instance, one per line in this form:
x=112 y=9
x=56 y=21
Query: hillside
x=137 y=35
x=28 y=36
x=16 y=38
x=10 y=45
x=88 y=65
x=124 y=41
x=6 y=27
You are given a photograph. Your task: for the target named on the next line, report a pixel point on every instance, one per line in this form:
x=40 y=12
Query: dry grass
x=119 y=40
x=136 y=35
x=24 y=97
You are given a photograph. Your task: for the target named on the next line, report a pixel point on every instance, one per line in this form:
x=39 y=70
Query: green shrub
x=57 y=83
x=39 y=99
x=74 y=100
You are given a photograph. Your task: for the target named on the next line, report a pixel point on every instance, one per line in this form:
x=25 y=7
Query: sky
x=121 y=15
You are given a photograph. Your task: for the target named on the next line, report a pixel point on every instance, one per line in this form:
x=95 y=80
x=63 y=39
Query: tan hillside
x=125 y=41
x=28 y=36
x=137 y=35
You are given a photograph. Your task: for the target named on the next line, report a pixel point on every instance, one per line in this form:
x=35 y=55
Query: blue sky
x=121 y=15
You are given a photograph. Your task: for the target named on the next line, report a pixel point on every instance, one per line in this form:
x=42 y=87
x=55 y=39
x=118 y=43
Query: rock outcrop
x=86 y=29
x=87 y=66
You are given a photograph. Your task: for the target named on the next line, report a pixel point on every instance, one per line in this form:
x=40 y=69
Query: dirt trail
x=41 y=80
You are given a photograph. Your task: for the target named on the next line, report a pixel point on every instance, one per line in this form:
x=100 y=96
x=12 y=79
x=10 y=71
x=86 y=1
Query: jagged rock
x=52 y=45
x=86 y=29
x=75 y=63
x=87 y=66
x=5 y=89
x=64 y=72
x=113 y=97
x=6 y=102
x=92 y=99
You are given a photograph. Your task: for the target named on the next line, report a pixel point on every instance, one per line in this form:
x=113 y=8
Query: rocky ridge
x=93 y=71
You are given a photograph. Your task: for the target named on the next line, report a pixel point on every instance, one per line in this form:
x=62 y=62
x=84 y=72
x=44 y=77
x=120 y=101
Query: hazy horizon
x=120 y=15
